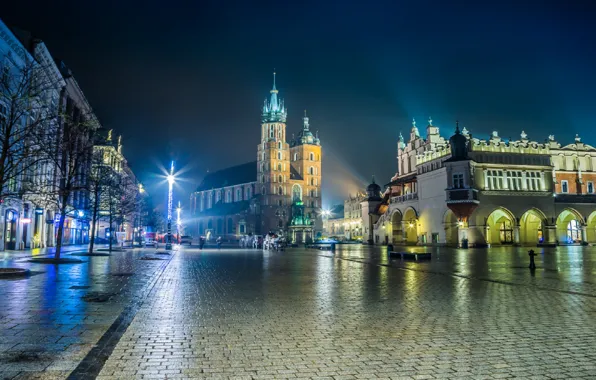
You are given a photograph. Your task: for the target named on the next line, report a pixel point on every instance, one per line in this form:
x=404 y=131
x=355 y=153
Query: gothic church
x=279 y=191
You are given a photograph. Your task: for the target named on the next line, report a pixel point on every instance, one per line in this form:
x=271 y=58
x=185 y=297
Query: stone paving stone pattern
x=304 y=314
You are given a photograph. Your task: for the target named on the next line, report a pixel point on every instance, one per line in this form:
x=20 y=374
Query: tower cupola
x=274 y=110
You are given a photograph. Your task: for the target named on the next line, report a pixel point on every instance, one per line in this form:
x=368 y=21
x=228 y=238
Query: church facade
x=279 y=191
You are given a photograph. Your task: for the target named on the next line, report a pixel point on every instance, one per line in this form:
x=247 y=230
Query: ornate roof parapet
x=496 y=144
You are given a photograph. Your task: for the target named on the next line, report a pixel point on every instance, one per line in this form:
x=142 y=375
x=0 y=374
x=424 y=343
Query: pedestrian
x=201 y=242
x=218 y=241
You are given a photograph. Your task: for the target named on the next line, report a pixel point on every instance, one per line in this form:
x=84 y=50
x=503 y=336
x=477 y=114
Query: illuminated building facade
x=479 y=192
x=258 y=197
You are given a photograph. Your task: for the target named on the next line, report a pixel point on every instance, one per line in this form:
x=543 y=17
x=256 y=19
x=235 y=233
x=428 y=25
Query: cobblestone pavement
x=304 y=314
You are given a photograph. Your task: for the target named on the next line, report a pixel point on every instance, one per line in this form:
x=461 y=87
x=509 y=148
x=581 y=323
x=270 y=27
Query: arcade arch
x=569 y=226
x=531 y=227
x=591 y=228
x=410 y=228
x=451 y=225
x=396 y=227
x=499 y=227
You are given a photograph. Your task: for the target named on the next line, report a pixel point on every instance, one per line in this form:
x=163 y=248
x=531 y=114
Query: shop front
x=10 y=229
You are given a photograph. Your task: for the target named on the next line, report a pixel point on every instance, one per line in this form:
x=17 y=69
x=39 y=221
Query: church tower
x=305 y=154
x=273 y=165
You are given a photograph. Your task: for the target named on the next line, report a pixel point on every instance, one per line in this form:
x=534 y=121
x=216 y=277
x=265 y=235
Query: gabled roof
x=234 y=175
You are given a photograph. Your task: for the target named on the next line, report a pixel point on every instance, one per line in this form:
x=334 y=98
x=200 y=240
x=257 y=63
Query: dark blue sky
x=186 y=80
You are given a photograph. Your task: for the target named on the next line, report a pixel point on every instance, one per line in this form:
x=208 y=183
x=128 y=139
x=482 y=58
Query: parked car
x=150 y=243
x=185 y=240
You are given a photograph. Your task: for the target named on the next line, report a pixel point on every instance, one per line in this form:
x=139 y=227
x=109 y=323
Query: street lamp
x=170 y=196
x=178 y=221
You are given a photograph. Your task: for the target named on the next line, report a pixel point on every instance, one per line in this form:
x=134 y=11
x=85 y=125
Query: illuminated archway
x=569 y=226
x=396 y=235
x=531 y=227
x=451 y=225
x=500 y=227
x=591 y=228
x=411 y=226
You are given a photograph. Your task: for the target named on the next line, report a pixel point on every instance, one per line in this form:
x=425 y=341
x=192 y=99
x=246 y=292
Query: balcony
x=404 y=198
x=462 y=196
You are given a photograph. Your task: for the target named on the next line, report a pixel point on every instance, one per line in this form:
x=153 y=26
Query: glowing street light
x=170 y=196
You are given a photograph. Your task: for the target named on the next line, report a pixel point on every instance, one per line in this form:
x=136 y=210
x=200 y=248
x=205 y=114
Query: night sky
x=186 y=80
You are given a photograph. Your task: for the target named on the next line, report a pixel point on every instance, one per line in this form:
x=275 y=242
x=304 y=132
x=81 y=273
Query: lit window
x=458 y=181
x=564 y=186
x=574 y=233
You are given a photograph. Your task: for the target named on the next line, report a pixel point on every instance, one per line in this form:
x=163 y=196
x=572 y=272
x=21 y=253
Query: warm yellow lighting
x=461 y=224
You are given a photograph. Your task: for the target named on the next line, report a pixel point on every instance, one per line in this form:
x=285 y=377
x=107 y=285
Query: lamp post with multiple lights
x=170 y=196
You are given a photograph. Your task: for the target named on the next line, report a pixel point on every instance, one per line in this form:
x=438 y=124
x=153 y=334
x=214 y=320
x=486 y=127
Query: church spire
x=306 y=125
x=274 y=110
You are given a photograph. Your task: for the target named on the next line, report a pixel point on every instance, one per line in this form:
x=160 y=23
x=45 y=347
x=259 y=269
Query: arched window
x=229 y=196
x=295 y=156
x=279 y=155
x=262 y=167
x=231 y=226
x=574 y=231
x=312 y=193
x=280 y=191
x=280 y=179
x=262 y=179
x=248 y=193
x=279 y=143
x=312 y=156
x=311 y=170
x=312 y=181
x=296 y=193
x=238 y=194
x=279 y=167
x=263 y=190
x=271 y=132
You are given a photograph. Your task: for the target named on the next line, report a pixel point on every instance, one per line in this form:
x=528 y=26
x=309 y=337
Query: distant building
x=262 y=196
x=475 y=192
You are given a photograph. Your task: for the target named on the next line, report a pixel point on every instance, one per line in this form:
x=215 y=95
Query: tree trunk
x=111 y=221
x=60 y=229
x=94 y=221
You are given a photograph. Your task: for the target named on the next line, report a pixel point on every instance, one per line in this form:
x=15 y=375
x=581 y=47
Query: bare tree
x=28 y=103
x=68 y=145
x=99 y=182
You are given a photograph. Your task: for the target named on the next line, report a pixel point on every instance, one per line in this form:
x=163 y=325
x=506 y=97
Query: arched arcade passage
x=451 y=224
x=569 y=226
x=500 y=227
x=532 y=227
x=410 y=226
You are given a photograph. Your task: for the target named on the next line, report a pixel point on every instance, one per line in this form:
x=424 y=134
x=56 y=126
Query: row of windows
x=207 y=201
x=311 y=156
x=513 y=180
x=565 y=187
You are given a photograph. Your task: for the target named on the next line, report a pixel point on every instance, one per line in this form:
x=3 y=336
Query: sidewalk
x=39 y=252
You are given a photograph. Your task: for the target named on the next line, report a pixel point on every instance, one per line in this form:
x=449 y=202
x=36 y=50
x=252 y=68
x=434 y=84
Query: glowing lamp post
x=170 y=196
x=178 y=221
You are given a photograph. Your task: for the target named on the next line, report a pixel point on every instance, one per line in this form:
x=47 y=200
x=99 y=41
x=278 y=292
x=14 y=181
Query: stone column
x=542 y=182
x=550 y=237
x=516 y=234
x=584 y=234
x=404 y=233
x=505 y=180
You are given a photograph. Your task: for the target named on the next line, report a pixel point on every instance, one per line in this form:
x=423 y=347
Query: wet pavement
x=307 y=314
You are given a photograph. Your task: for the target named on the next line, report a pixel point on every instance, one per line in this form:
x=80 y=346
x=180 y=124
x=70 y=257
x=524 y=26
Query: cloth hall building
x=279 y=192
x=468 y=191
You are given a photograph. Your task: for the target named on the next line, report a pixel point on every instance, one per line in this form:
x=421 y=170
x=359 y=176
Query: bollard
x=332 y=247
x=532 y=263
